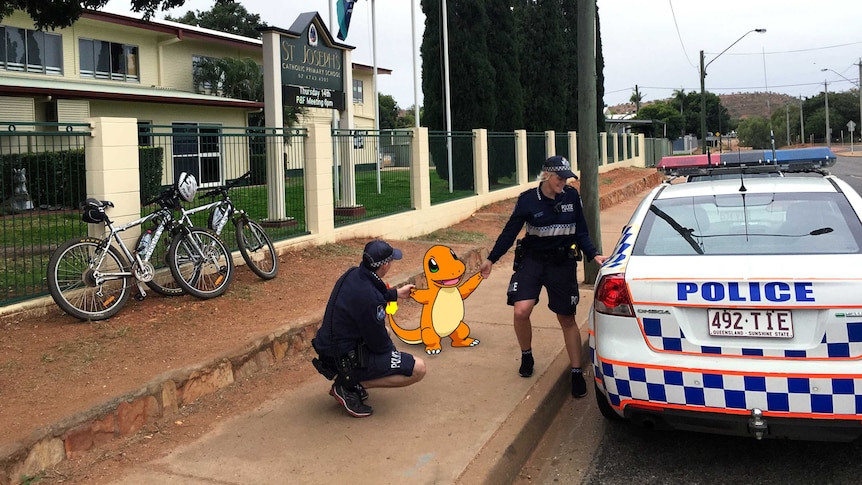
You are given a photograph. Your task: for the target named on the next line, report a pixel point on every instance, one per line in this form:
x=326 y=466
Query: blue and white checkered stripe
x=840 y=340
x=778 y=394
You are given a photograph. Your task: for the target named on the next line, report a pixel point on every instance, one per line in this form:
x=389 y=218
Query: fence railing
x=218 y=154
x=372 y=174
x=501 y=160
x=461 y=183
x=43 y=177
x=42 y=184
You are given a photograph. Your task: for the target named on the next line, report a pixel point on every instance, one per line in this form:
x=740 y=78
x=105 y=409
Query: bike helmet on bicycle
x=187 y=185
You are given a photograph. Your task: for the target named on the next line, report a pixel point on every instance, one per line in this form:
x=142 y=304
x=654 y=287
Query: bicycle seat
x=91 y=203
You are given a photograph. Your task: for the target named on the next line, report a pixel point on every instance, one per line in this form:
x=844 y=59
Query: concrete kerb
x=498 y=461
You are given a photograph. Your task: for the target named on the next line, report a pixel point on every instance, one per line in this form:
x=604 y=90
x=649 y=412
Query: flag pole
x=415 y=63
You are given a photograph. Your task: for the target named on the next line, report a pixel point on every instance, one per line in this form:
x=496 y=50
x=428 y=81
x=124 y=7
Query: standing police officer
x=547 y=257
x=353 y=343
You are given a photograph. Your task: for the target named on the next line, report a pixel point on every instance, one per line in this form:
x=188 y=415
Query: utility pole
x=588 y=130
x=801 y=122
x=826 y=98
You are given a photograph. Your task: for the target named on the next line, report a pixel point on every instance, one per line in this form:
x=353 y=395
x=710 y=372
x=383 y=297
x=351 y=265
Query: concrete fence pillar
x=550 y=144
x=480 y=161
x=573 y=150
x=420 y=170
x=113 y=171
x=319 y=197
x=522 y=170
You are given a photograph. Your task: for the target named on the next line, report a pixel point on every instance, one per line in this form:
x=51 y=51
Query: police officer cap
x=378 y=252
x=560 y=166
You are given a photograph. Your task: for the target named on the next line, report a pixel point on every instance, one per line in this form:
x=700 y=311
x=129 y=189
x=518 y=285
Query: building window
x=204 y=70
x=197 y=150
x=108 y=60
x=357 y=91
x=145 y=133
x=33 y=51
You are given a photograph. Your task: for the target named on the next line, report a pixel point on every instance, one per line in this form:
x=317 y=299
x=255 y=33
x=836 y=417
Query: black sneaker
x=351 y=401
x=579 y=386
x=526 y=369
x=363 y=393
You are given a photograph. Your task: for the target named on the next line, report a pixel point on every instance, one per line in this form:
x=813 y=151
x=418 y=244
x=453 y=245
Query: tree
x=225 y=16
x=754 y=132
x=666 y=113
x=717 y=117
x=636 y=98
x=387 y=111
x=53 y=14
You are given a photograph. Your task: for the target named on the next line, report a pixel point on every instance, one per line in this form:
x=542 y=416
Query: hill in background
x=739 y=105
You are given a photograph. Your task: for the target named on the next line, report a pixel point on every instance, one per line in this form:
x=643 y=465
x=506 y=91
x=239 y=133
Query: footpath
x=473 y=419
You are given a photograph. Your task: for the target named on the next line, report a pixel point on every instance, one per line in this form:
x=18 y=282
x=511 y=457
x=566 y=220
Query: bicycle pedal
x=139 y=297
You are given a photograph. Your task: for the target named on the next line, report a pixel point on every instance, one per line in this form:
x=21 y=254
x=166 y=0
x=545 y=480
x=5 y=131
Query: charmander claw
x=430 y=351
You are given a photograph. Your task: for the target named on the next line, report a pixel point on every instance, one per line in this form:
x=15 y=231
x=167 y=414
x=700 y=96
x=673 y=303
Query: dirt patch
x=53 y=367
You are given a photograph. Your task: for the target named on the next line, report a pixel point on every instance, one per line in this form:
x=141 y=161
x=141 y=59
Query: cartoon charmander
x=443 y=303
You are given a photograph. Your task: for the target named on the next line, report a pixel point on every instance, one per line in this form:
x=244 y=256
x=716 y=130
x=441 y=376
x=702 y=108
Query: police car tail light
x=612 y=296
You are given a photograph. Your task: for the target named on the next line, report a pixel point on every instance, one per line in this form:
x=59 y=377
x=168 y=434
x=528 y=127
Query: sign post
x=851 y=125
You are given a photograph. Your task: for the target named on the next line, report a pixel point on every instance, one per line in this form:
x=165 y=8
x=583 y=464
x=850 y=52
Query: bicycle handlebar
x=222 y=190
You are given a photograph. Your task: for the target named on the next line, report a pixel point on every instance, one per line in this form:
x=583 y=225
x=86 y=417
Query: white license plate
x=727 y=322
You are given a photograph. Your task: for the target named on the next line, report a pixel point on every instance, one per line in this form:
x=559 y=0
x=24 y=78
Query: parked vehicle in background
x=734 y=306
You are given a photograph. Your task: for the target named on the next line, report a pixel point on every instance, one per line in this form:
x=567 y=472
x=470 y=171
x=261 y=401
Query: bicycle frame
x=133 y=257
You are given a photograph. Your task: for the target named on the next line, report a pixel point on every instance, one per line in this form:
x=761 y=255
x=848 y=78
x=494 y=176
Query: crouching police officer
x=353 y=343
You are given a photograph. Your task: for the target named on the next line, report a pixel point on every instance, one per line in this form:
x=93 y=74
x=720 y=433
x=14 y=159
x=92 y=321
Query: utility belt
x=343 y=366
x=558 y=256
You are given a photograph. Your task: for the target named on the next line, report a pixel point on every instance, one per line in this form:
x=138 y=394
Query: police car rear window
x=750 y=224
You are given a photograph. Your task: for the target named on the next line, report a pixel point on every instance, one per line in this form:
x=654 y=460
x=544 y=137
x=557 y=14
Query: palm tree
x=235 y=78
x=636 y=98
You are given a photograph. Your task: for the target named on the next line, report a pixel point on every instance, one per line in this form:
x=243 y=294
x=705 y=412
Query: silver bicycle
x=254 y=244
x=91 y=278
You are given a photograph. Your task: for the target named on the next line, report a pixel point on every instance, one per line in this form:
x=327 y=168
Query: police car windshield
x=741 y=224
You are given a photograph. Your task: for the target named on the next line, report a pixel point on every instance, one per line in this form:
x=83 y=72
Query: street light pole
x=703 y=84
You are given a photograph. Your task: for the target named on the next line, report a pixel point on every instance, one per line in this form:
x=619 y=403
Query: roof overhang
x=23 y=86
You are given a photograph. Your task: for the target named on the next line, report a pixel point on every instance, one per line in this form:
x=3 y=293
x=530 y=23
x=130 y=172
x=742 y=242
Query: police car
x=734 y=305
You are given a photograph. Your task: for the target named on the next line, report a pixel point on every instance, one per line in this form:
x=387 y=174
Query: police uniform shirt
x=551 y=224
x=356 y=312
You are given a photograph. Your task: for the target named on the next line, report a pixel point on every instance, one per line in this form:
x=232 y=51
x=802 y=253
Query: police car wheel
x=604 y=406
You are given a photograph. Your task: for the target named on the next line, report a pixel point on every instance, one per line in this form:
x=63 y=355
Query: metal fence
x=217 y=155
x=42 y=183
x=458 y=145
x=535 y=154
x=371 y=178
x=501 y=160
x=655 y=148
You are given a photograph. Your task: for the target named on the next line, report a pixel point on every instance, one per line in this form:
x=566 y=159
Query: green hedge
x=58 y=179
x=54 y=179
x=152 y=161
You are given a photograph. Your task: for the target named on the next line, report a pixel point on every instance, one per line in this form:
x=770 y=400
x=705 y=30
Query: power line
x=679 y=36
x=795 y=51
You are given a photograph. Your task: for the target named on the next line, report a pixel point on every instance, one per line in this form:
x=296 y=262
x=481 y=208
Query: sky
x=652 y=44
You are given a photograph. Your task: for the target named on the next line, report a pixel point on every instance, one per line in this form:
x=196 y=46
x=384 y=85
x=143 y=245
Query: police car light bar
x=789 y=160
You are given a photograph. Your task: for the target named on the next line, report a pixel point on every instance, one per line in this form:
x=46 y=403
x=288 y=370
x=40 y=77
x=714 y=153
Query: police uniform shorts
x=558 y=278
x=387 y=364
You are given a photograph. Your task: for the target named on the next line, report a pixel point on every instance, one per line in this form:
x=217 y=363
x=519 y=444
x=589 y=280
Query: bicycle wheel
x=163 y=281
x=75 y=279
x=256 y=249
x=200 y=263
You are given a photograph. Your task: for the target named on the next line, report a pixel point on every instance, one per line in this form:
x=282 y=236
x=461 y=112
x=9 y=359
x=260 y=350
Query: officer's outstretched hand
x=485 y=268
x=600 y=259
x=405 y=291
